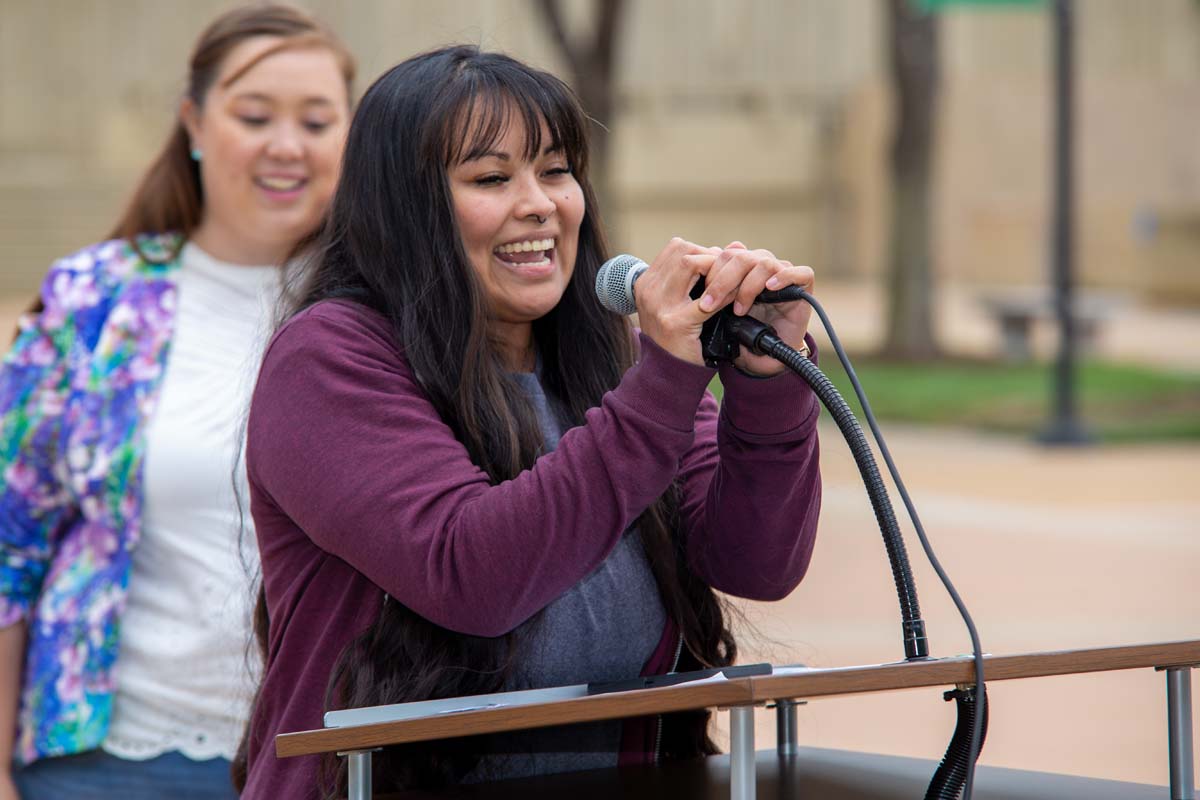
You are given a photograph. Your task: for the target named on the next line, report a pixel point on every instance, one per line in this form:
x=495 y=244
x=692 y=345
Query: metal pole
x=358 y=767
x=785 y=727
x=742 y=783
x=1064 y=426
x=1179 y=732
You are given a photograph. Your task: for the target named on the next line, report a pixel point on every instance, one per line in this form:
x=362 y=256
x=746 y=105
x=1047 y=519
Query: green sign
x=937 y=5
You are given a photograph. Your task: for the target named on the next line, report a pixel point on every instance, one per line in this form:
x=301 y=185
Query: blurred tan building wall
x=1138 y=149
x=765 y=120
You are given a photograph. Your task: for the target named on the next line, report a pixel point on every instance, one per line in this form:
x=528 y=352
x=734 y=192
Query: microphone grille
x=614 y=283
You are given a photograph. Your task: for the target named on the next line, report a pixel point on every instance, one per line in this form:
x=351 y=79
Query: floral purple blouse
x=75 y=392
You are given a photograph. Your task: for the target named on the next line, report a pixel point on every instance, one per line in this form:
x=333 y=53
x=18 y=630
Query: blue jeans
x=96 y=775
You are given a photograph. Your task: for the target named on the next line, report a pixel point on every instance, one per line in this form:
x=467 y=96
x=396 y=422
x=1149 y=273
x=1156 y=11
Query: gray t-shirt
x=604 y=628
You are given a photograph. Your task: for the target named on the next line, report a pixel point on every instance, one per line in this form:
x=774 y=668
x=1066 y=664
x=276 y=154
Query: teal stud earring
x=196 y=154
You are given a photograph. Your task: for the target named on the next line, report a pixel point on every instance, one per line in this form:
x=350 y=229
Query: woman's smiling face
x=519 y=219
x=270 y=139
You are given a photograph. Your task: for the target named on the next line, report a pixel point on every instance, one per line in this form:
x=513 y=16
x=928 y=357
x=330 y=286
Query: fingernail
x=707 y=302
x=738 y=308
x=773 y=282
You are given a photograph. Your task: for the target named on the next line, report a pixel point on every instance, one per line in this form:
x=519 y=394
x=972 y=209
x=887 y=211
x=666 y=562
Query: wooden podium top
x=615 y=705
x=736 y=692
x=961 y=669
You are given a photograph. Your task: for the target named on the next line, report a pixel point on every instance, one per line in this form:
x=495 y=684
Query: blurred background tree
x=591 y=61
x=912 y=42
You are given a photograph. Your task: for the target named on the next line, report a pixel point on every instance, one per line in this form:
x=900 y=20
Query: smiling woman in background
x=124 y=586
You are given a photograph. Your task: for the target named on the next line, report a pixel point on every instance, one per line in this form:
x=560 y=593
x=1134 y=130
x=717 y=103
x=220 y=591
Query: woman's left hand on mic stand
x=739 y=275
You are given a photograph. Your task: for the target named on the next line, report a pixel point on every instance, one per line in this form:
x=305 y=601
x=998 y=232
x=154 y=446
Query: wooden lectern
x=742 y=695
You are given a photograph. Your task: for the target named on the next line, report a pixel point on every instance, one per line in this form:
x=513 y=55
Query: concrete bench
x=1018 y=311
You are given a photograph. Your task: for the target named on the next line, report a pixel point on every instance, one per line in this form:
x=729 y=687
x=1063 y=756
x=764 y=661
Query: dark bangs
x=480 y=104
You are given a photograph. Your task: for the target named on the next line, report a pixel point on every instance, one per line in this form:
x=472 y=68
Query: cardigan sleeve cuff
x=775 y=406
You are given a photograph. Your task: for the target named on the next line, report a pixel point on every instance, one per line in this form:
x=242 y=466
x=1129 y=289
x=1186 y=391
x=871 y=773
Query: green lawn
x=1118 y=402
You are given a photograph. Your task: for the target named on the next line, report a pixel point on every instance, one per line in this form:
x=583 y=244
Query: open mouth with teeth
x=532 y=253
x=277 y=184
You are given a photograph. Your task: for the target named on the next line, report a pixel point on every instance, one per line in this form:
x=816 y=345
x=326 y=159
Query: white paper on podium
x=796 y=670
x=450 y=705
x=458 y=705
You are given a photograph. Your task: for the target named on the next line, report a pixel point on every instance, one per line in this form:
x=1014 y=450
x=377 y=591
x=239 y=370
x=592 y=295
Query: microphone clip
x=724 y=333
x=717 y=341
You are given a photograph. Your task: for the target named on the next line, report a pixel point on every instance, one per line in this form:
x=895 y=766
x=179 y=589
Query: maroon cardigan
x=358 y=488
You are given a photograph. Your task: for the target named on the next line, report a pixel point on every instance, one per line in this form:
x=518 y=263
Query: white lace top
x=185 y=669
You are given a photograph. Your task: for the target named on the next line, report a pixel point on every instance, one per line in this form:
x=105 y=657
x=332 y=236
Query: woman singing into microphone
x=467 y=476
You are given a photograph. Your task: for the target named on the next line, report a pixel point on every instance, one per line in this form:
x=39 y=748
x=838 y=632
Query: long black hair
x=391 y=242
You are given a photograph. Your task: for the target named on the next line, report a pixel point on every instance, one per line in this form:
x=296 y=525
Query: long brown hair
x=393 y=207
x=169 y=197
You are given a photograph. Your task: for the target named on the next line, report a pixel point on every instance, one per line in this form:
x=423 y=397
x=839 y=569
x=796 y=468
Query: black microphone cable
x=761 y=338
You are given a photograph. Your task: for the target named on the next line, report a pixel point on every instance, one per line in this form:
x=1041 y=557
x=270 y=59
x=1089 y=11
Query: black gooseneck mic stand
x=721 y=339
x=723 y=335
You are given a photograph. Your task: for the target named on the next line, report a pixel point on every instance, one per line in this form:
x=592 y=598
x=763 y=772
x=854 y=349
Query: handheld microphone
x=615 y=279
